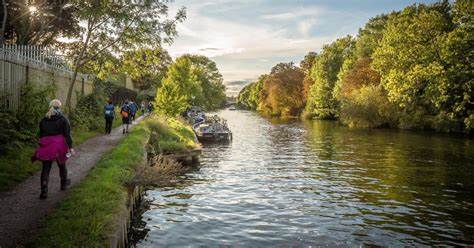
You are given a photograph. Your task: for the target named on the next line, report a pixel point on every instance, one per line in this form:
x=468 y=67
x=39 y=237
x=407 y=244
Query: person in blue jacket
x=133 y=109
x=109 y=113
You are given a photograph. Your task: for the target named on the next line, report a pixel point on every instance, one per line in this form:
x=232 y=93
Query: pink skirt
x=51 y=148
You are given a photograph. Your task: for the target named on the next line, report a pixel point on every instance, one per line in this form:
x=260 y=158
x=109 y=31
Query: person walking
x=133 y=110
x=55 y=145
x=142 y=107
x=150 y=107
x=109 y=113
x=125 y=112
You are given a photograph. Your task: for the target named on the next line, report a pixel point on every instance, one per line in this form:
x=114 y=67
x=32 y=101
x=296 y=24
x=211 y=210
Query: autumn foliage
x=410 y=69
x=358 y=76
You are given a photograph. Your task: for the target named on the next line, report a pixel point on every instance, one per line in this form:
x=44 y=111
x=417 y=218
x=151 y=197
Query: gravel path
x=21 y=210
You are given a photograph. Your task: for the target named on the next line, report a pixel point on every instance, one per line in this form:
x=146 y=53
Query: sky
x=247 y=37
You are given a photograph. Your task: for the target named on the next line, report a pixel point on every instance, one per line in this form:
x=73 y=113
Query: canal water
x=317 y=183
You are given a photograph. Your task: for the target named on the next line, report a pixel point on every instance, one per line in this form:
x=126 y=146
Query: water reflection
x=318 y=183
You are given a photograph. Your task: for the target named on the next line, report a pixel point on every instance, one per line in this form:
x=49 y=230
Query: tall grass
x=170 y=135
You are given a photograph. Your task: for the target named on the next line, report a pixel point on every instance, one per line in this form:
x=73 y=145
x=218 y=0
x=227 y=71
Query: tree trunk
x=78 y=64
x=70 y=90
x=81 y=60
x=4 y=22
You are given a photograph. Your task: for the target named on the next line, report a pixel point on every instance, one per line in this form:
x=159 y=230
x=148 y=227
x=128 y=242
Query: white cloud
x=247 y=37
x=294 y=13
x=304 y=27
x=243 y=49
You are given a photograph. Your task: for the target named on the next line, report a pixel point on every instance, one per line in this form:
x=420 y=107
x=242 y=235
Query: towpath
x=21 y=210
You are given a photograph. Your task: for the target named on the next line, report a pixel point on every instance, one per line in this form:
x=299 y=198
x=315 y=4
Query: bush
x=445 y=122
x=414 y=118
x=33 y=107
x=367 y=107
x=88 y=114
x=9 y=134
x=469 y=123
x=21 y=126
x=161 y=171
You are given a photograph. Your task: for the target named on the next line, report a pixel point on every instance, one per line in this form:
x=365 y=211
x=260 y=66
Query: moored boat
x=213 y=129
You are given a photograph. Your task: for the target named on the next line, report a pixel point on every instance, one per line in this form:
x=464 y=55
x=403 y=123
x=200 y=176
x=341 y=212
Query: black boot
x=65 y=184
x=44 y=191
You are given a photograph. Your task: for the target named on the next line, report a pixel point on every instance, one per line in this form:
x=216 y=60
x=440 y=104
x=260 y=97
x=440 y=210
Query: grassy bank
x=16 y=166
x=170 y=135
x=87 y=216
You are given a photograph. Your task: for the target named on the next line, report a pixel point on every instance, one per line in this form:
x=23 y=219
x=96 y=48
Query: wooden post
x=82 y=87
x=27 y=74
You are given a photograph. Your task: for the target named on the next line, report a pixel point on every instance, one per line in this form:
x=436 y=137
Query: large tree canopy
x=308 y=61
x=179 y=89
x=423 y=60
x=39 y=22
x=147 y=67
x=306 y=64
x=210 y=79
x=115 y=26
x=192 y=80
x=321 y=102
x=407 y=69
x=282 y=91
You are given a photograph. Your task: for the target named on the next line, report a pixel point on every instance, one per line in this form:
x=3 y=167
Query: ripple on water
x=318 y=184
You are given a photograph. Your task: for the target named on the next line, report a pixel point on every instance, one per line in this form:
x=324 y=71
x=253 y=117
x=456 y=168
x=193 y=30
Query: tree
x=115 y=25
x=306 y=64
x=244 y=96
x=254 y=97
x=249 y=96
x=421 y=60
x=192 y=80
x=282 y=92
x=369 y=37
x=39 y=22
x=367 y=106
x=360 y=54
x=105 y=66
x=210 y=80
x=458 y=53
x=147 y=67
x=308 y=61
x=363 y=102
x=361 y=74
x=179 y=89
x=321 y=102
x=4 y=21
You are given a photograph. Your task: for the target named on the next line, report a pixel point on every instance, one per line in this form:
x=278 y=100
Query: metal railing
x=14 y=63
x=34 y=55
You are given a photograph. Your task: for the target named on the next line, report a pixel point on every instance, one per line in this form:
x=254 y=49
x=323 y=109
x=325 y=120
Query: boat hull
x=214 y=137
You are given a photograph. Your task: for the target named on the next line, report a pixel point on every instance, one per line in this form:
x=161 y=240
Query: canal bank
x=318 y=183
x=97 y=212
x=18 y=222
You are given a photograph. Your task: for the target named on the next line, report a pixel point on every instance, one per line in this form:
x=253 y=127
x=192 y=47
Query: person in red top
x=55 y=145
